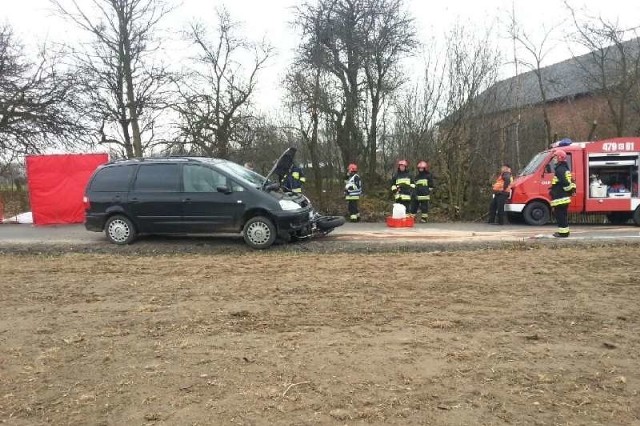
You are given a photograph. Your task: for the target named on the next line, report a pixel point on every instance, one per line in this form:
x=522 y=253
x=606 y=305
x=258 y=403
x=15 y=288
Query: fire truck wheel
x=536 y=213
x=636 y=216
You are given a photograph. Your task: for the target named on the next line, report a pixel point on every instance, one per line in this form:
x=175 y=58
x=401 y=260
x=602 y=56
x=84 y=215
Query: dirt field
x=462 y=338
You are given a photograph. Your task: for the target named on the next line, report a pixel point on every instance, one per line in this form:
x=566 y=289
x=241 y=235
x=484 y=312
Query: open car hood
x=282 y=167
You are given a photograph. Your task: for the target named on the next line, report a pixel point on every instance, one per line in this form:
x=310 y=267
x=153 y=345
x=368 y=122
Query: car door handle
x=186 y=200
x=133 y=200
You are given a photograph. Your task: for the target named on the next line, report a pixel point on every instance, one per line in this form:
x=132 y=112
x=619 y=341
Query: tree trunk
x=125 y=51
x=372 y=141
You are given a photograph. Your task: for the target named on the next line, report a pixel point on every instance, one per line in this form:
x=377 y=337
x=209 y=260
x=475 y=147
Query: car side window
x=158 y=178
x=235 y=186
x=113 y=179
x=202 y=179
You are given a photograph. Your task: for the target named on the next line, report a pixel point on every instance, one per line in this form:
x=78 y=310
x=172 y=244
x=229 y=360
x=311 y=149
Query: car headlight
x=289 y=205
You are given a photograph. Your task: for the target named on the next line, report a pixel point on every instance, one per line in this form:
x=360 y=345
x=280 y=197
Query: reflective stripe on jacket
x=402 y=185
x=561 y=186
x=294 y=181
x=424 y=184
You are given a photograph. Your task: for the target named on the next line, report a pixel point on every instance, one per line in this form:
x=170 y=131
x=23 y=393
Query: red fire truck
x=606 y=175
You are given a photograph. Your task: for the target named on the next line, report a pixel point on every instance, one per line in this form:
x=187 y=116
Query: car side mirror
x=223 y=189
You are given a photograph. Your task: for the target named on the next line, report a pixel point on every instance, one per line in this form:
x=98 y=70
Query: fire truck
x=606 y=175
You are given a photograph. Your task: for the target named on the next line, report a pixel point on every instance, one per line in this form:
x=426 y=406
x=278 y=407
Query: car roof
x=165 y=160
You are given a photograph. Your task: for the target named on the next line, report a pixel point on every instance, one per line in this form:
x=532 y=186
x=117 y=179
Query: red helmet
x=423 y=165
x=560 y=155
x=403 y=163
x=351 y=168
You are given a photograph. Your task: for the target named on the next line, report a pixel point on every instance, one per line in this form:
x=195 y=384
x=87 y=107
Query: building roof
x=567 y=79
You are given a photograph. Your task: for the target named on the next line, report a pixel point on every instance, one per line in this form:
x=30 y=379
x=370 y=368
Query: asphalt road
x=20 y=234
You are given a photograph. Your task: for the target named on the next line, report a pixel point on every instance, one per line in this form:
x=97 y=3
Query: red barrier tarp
x=57 y=184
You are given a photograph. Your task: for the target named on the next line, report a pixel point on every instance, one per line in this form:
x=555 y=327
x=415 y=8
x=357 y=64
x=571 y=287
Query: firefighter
x=424 y=184
x=295 y=179
x=562 y=188
x=501 y=190
x=402 y=185
x=353 y=191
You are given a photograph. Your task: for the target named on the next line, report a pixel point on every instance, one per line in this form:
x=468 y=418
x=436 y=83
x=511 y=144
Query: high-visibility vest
x=498 y=186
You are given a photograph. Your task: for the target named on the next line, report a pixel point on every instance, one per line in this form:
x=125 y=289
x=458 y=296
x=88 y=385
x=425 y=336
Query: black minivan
x=193 y=195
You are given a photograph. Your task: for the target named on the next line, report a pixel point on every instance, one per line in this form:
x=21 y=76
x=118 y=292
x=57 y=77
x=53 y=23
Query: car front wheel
x=259 y=232
x=120 y=230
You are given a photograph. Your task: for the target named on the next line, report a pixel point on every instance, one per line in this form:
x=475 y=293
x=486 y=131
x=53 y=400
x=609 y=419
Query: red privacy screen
x=56 y=186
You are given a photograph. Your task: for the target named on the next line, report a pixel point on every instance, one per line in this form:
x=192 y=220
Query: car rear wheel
x=120 y=230
x=536 y=213
x=259 y=232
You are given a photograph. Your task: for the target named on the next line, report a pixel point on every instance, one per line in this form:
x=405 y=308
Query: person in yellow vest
x=501 y=191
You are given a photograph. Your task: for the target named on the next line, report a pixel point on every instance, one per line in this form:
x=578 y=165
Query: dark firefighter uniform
x=424 y=184
x=561 y=190
x=402 y=186
x=353 y=192
x=294 y=180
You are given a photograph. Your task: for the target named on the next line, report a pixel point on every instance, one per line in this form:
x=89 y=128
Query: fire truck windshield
x=534 y=163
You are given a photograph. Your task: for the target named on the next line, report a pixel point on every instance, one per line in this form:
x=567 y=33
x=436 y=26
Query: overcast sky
x=33 y=22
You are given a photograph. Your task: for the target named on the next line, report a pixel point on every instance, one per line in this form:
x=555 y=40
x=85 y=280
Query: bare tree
x=217 y=89
x=417 y=112
x=305 y=96
x=537 y=51
x=121 y=83
x=389 y=36
x=331 y=38
x=359 y=44
x=612 y=67
x=470 y=68
x=36 y=102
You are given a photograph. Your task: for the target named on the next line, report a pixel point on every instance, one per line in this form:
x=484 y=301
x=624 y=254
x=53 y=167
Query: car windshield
x=241 y=172
x=534 y=163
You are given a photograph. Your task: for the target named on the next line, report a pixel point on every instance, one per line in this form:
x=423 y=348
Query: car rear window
x=158 y=178
x=113 y=179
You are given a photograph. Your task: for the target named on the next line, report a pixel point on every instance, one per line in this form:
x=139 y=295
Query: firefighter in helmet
x=424 y=184
x=501 y=190
x=562 y=188
x=353 y=192
x=402 y=184
x=294 y=180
